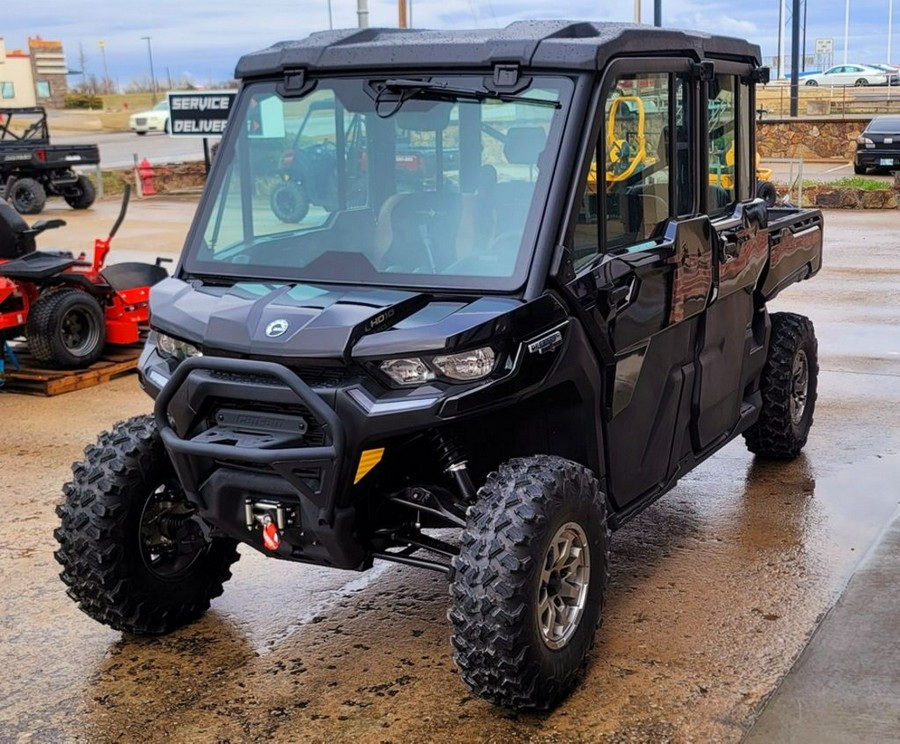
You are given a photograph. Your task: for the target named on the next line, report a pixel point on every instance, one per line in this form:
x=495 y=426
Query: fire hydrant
x=146 y=173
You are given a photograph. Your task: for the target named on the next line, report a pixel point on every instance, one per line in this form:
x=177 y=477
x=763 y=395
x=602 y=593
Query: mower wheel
x=28 y=196
x=65 y=328
x=82 y=195
x=134 y=554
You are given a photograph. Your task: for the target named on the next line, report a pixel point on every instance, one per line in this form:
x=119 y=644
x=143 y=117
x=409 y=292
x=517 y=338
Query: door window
x=721 y=142
x=646 y=172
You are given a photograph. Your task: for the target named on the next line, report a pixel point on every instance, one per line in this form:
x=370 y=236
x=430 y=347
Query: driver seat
x=16 y=237
x=417 y=231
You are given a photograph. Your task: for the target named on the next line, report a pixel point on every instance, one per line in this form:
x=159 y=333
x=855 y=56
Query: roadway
x=119 y=149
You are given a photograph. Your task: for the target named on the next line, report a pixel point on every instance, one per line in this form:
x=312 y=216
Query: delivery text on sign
x=204 y=126
x=199 y=114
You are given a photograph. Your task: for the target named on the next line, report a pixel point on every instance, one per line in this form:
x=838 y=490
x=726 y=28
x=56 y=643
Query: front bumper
x=231 y=466
x=249 y=459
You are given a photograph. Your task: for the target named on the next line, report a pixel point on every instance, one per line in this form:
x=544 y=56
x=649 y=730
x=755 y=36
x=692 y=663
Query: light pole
x=152 y=74
x=846 y=29
x=102 y=45
x=362 y=13
x=890 y=28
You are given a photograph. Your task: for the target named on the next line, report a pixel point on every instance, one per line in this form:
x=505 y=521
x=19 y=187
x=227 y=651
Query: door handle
x=621 y=296
x=731 y=246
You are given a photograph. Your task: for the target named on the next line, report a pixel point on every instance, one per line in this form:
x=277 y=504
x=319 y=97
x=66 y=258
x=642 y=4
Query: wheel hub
x=564 y=581
x=171 y=539
x=78 y=331
x=799 y=386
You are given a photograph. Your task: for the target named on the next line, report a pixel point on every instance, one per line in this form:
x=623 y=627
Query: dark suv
x=527 y=347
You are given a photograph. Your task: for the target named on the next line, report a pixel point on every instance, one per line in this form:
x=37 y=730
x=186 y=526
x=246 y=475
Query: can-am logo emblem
x=276 y=328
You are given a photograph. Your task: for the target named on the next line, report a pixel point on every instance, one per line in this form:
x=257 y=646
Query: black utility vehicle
x=528 y=348
x=39 y=168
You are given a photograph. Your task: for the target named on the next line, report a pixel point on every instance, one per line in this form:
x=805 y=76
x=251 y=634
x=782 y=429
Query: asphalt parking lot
x=716 y=590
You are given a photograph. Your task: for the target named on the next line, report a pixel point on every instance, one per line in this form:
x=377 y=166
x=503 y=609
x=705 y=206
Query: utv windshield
x=386 y=182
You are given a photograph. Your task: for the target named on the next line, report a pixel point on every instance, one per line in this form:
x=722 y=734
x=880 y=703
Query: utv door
x=645 y=269
x=732 y=346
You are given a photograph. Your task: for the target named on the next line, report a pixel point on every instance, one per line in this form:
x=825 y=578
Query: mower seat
x=16 y=237
x=36 y=266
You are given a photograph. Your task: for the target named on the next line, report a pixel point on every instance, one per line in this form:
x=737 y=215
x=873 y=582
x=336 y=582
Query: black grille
x=323 y=377
x=314 y=375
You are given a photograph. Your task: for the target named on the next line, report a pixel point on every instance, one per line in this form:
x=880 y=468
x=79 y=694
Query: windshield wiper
x=444 y=91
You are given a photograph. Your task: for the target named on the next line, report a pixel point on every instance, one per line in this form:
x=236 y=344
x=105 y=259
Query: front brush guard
x=282 y=460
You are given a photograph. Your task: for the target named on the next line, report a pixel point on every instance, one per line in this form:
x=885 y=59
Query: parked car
x=853 y=75
x=879 y=144
x=154 y=120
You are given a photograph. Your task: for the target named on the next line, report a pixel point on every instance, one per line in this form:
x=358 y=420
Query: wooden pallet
x=31 y=378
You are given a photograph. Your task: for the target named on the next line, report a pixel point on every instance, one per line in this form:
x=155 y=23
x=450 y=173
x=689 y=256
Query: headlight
x=864 y=141
x=173 y=347
x=463 y=367
x=407 y=371
x=468 y=365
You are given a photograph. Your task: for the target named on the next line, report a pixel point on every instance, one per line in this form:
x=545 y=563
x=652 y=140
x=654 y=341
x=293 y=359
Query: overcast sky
x=204 y=39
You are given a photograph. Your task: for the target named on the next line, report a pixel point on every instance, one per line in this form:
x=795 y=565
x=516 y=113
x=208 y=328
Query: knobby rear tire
x=27 y=196
x=783 y=425
x=84 y=195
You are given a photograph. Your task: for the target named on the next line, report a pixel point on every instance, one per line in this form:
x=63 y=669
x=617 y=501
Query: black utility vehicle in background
x=39 y=168
x=528 y=347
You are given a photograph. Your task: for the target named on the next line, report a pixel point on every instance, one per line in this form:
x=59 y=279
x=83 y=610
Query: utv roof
x=575 y=45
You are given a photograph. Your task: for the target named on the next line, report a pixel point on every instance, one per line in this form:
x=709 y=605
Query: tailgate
x=795 y=248
x=68 y=155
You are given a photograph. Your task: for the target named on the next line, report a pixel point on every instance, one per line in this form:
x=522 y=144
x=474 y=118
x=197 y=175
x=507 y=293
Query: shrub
x=83 y=101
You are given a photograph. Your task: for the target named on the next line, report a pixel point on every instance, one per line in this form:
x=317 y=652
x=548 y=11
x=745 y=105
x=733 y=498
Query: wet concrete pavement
x=844 y=686
x=715 y=590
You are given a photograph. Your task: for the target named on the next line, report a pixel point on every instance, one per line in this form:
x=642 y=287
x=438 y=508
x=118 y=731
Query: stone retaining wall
x=829 y=197
x=809 y=138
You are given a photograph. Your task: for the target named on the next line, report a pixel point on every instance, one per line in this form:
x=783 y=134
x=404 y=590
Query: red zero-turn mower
x=67 y=307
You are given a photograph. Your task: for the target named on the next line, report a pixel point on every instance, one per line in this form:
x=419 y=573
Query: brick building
x=36 y=77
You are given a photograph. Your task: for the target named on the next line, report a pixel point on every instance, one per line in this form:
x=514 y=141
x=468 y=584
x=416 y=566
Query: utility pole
x=657 y=13
x=846 y=29
x=102 y=45
x=803 y=59
x=152 y=73
x=637 y=11
x=780 y=69
x=401 y=10
x=890 y=28
x=81 y=61
x=795 y=56
x=362 y=13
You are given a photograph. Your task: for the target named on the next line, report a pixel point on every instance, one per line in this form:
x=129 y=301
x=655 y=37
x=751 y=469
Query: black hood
x=315 y=321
